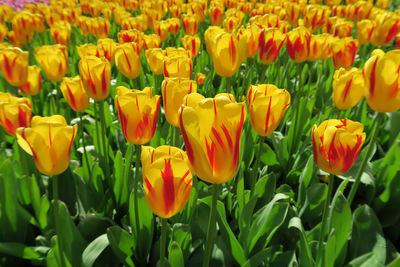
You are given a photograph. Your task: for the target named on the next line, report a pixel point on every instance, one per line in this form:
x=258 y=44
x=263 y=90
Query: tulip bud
x=270 y=43
x=137 y=112
x=200 y=77
x=14 y=65
x=161 y=28
x=382 y=80
x=49 y=141
x=167 y=179
x=95 y=75
x=226 y=57
x=343 y=29
x=336 y=144
x=151 y=41
x=61 y=33
x=33 y=82
x=267 y=105
x=216 y=14
x=54 y=61
x=344 y=51
x=127 y=60
x=320 y=46
x=74 y=93
x=348 y=88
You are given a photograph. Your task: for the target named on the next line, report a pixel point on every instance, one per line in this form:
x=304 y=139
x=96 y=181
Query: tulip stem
x=228 y=85
x=163 y=245
x=103 y=140
x=264 y=71
x=211 y=227
x=83 y=144
x=55 y=211
x=354 y=187
x=135 y=188
x=256 y=165
x=177 y=133
x=324 y=219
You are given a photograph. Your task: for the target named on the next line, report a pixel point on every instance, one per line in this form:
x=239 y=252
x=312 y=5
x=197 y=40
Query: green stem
x=228 y=85
x=128 y=162
x=177 y=134
x=58 y=233
x=211 y=227
x=163 y=245
x=83 y=144
x=96 y=119
x=324 y=220
x=264 y=71
x=135 y=188
x=371 y=144
x=254 y=175
x=103 y=138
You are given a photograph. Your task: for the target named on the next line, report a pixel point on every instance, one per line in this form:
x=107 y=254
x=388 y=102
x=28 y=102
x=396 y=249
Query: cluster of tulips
x=126 y=35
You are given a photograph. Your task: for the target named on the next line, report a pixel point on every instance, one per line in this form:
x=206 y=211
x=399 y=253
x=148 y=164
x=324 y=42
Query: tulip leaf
x=305 y=257
x=305 y=180
x=268 y=156
x=265 y=188
x=93 y=250
x=19 y=250
x=182 y=235
x=394 y=263
x=175 y=256
x=261 y=258
x=120 y=186
x=122 y=244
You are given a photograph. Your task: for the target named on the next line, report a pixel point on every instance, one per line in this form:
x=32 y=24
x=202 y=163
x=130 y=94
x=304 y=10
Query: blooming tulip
x=189 y=24
x=348 y=87
x=89 y=50
x=336 y=144
x=74 y=93
x=269 y=44
x=192 y=44
x=225 y=55
x=216 y=14
x=14 y=115
x=298 y=44
x=127 y=60
x=49 y=141
x=33 y=82
x=54 y=61
x=320 y=46
x=155 y=59
x=14 y=65
x=344 y=51
x=108 y=46
x=95 y=75
x=387 y=26
x=365 y=30
x=178 y=66
x=167 y=179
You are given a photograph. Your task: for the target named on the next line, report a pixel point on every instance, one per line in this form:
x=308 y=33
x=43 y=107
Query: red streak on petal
x=347 y=89
x=127 y=60
x=267 y=118
x=149 y=186
x=168 y=186
x=217 y=137
x=227 y=136
x=372 y=79
x=123 y=120
x=103 y=81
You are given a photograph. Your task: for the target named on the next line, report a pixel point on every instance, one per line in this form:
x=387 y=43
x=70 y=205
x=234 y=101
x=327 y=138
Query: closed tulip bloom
x=211 y=129
x=3 y=32
x=348 y=88
x=178 y=66
x=95 y=75
x=161 y=28
x=343 y=29
x=14 y=65
x=315 y=16
x=192 y=44
x=294 y=11
x=382 y=80
x=226 y=57
x=387 y=26
x=108 y=46
x=210 y=37
x=270 y=43
x=89 y=50
x=251 y=35
x=137 y=112
x=216 y=14
x=298 y=44
x=14 y=115
x=130 y=36
x=33 y=82
x=365 y=31
x=127 y=60
x=49 y=141
x=151 y=41
x=74 y=93
x=336 y=144
x=200 y=77
x=174 y=25
x=155 y=59
x=382 y=3
x=175 y=11
x=173 y=91
x=54 y=61
x=344 y=51
x=189 y=24
x=231 y=24
x=320 y=46
x=267 y=105
x=167 y=179
x=61 y=33
x=362 y=10
x=10 y=98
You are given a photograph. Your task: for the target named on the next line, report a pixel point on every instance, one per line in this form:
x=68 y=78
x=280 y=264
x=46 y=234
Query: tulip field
x=200 y=133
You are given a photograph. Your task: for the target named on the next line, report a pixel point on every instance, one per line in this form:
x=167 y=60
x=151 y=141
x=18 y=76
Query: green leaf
x=305 y=179
x=182 y=235
x=268 y=156
x=260 y=258
x=175 y=256
x=305 y=258
x=265 y=188
x=365 y=260
x=394 y=263
x=122 y=244
x=19 y=250
x=94 y=249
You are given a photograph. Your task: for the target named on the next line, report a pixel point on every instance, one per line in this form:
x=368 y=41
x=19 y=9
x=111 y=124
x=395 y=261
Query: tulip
x=269 y=44
x=216 y=14
x=294 y=10
x=108 y=46
x=54 y=61
x=167 y=179
x=90 y=50
x=178 y=66
x=174 y=25
x=49 y=141
x=382 y=3
x=14 y=65
x=231 y=24
x=298 y=44
x=192 y=44
x=200 y=77
x=343 y=29
x=189 y=24
x=137 y=112
x=14 y=115
x=3 y=32
x=74 y=93
x=382 y=80
x=127 y=60
x=363 y=10
x=336 y=144
x=130 y=36
x=387 y=26
x=348 y=88
x=211 y=130
x=173 y=92
x=210 y=36
x=151 y=41
x=10 y=98
x=251 y=35
x=33 y=82
x=161 y=28
x=225 y=55
x=175 y=11
x=365 y=30
x=267 y=105
x=315 y=17
x=95 y=75
x=344 y=51
x=320 y=46
x=61 y=33
x=155 y=59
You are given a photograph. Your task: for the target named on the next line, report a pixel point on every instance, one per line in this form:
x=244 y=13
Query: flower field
x=200 y=133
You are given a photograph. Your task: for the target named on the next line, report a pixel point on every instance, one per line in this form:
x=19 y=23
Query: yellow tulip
x=155 y=59
x=320 y=46
x=151 y=41
x=89 y=50
x=365 y=30
x=192 y=44
x=387 y=26
x=226 y=57
x=382 y=80
x=61 y=33
x=14 y=65
x=108 y=46
x=348 y=87
x=74 y=93
x=54 y=61
x=127 y=60
x=178 y=66
x=189 y=24
x=270 y=43
x=267 y=105
x=96 y=76
x=336 y=144
x=49 y=141
x=137 y=112
x=211 y=129
x=298 y=44
x=33 y=82
x=167 y=179
x=344 y=52
x=14 y=115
